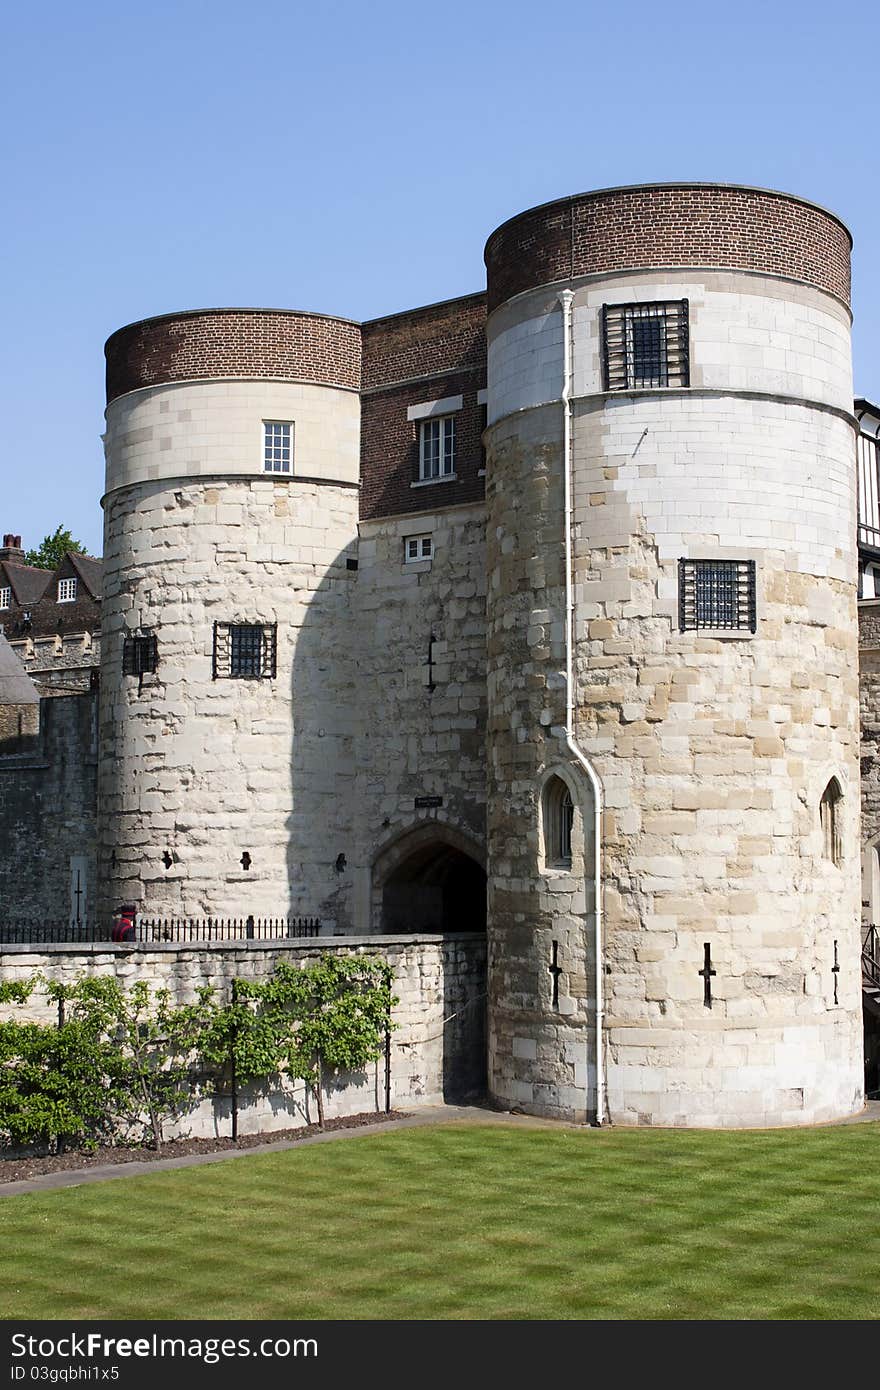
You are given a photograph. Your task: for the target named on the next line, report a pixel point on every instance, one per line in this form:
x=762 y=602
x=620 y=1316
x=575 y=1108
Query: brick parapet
x=423 y=354
x=446 y=337
x=242 y=343
x=713 y=225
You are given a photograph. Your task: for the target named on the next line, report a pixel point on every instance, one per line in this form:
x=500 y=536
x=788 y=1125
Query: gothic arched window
x=558 y=819
x=830 y=808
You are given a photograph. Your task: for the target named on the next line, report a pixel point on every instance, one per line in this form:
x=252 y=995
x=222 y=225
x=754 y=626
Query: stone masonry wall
x=434 y=1056
x=415 y=742
x=205 y=769
x=713 y=751
x=47 y=812
x=60 y=665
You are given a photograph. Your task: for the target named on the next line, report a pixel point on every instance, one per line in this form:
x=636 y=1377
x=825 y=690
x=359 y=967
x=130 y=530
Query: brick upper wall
x=669 y=225
x=210 y=343
x=421 y=355
x=440 y=337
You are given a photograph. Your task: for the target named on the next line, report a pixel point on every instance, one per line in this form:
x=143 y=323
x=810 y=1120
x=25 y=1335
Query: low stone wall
x=437 y=1044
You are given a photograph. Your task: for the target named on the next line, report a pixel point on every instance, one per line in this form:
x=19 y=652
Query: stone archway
x=432 y=879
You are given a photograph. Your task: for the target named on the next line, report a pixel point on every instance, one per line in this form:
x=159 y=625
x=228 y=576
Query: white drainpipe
x=566 y=299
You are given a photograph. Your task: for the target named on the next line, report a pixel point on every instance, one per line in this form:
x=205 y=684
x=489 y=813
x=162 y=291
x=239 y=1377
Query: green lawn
x=464 y=1221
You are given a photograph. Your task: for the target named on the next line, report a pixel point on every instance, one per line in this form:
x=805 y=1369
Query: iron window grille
x=277 y=446
x=717 y=595
x=437 y=448
x=645 y=345
x=244 y=651
x=140 y=655
x=66 y=590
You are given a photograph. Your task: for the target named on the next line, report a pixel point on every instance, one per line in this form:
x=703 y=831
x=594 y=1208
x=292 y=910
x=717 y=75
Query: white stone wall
x=432 y=1054
x=201 y=769
x=747 y=333
x=206 y=769
x=415 y=742
x=713 y=752
x=216 y=427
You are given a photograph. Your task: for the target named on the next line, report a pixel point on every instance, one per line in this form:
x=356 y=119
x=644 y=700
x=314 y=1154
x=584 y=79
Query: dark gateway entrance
x=438 y=888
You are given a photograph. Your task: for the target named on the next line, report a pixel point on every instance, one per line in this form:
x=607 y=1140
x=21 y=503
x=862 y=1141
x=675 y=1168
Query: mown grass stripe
x=468 y=1222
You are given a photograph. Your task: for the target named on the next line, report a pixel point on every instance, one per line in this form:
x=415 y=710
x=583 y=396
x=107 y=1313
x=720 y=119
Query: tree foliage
x=52 y=549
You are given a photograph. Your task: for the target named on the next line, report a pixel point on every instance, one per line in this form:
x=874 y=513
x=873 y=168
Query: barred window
x=66 y=590
x=277 y=446
x=645 y=345
x=717 y=594
x=140 y=654
x=437 y=447
x=244 y=651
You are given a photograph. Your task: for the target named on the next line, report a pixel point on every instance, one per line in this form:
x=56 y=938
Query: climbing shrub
x=123 y=1061
x=58 y=1085
x=303 y=1021
x=117 y=1061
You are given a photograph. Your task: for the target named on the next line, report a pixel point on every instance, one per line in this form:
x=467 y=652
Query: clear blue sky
x=353 y=158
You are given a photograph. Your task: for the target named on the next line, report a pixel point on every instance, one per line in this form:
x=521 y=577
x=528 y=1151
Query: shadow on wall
x=350 y=861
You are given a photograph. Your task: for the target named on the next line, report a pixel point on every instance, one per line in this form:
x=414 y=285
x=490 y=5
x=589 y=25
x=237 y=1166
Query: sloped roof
x=90 y=570
x=16 y=686
x=27 y=581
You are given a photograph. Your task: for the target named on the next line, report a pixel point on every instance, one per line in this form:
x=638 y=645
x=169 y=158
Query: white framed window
x=277 y=446
x=66 y=590
x=437 y=448
x=6 y=597
x=417 y=548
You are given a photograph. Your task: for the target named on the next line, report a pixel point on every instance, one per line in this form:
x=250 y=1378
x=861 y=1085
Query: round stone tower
x=232 y=472
x=673 y=701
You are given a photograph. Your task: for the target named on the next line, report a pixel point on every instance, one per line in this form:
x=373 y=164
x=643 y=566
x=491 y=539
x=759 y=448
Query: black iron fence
x=24 y=932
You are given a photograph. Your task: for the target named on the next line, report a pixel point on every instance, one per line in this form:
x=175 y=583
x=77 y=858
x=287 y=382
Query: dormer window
x=6 y=597
x=66 y=590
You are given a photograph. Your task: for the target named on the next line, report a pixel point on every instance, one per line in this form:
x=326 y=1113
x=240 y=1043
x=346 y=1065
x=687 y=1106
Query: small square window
x=437 y=447
x=6 y=597
x=277 y=446
x=66 y=590
x=717 y=595
x=645 y=345
x=244 y=651
x=417 y=548
x=140 y=654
